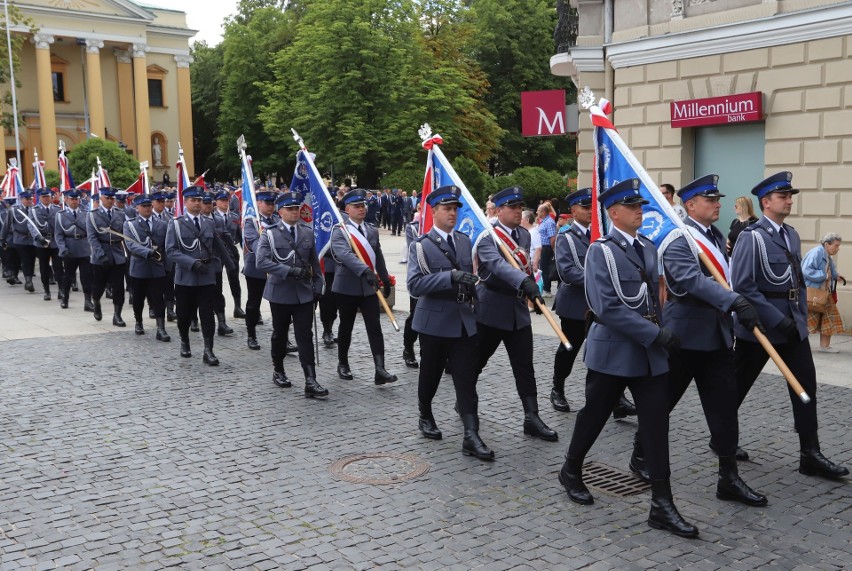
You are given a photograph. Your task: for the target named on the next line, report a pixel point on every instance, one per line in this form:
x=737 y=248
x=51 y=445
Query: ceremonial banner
x=66 y=181
x=12 y=183
x=307 y=180
x=182 y=182
x=103 y=176
x=39 y=180
x=248 y=193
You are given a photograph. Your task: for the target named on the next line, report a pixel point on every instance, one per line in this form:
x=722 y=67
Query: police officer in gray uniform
x=288 y=255
x=626 y=346
x=207 y=208
x=355 y=285
x=191 y=242
x=767 y=271
x=255 y=278
x=147 y=270
x=160 y=213
x=409 y=335
x=230 y=221
x=501 y=311
x=71 y=238
x=49 y=264
x=440 y=276
x=698 y=313
x=108 y=257
x=23 y=235
x=570 y=302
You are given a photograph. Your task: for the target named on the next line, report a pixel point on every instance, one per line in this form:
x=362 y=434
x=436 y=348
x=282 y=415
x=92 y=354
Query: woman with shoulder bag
x=821 y=276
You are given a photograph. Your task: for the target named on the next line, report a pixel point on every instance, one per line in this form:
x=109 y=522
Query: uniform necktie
x=783 y=234
x=361 y=230
x=640 y=251
x=588 y=234
x=148 y=225
x=74 y=212
x=292 y=233
x=515 y=235
x=451 y=244
x=109 y=215
x=197 y=224
x=711 y=237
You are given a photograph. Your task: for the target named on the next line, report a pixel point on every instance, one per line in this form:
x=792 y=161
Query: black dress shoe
x=16 y=280
x=813 y=463
x=344 y=372
x=184 y=350
x=171 y=316
x=193 y=326
x=571 y=478
x=741 y=455
x=328 y=338
x=139 y=329
x=557 y=399
x=731 y=487
x=118 y=321
x=239 y=313
x=52 y=281
x=88 y=305
x=260 y=320
x=281 y=380
x=108 y=293
x=97 y=311
x=253 y=344
x=664 y=514
x=382 y=376
x=209 y=357
x=64 y=303
x=59 y=295
x=28 y=284
x=429 y=428
x=292 y=349
x=535 y=426
x=74 y=286
x=47 y=296
x=409 y=359
x=313 y=389
x=623 y=408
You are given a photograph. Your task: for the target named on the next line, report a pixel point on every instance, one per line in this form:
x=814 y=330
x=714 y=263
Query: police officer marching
x=255 y=278
x=23 y=235
x=767 y=271
x=230 y=221
x=49 y=263
x=147 y=272
x=698 y=313
x=626 y=347
x=74 y=249
x=440 y=276
x=409 y=335
x=159 y=212
x=288 y=255
x=355 y=285
x=501 y=311
x=108 y=257
x=207 y=208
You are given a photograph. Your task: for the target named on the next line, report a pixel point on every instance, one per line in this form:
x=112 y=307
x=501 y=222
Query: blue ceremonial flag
x=249 y=199
x=302 y=182
x=471 y=219
x=308 y=182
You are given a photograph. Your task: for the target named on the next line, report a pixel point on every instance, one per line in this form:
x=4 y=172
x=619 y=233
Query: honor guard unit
x=255 y=278
x=49 y=263
x=104 y=227
x=73 y=243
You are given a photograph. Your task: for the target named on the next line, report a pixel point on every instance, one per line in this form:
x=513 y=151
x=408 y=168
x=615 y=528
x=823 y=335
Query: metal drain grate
x=378 y=468
x=612 y=481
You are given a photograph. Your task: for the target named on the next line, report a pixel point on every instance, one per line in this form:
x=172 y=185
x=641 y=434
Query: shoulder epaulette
x=420 y=238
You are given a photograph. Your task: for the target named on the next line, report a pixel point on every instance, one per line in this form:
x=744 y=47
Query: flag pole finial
x=61 y=145
x=241 y=143
x=586 y=98
x=425 y=132
x=143 y=165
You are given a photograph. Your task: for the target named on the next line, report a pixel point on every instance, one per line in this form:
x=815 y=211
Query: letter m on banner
x=543 y=113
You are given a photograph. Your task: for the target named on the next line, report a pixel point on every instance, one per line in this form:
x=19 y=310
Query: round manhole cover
x=378 y=468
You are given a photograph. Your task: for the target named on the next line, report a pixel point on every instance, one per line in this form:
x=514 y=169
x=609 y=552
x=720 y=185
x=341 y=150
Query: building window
x=58 y=86
x=155 y=92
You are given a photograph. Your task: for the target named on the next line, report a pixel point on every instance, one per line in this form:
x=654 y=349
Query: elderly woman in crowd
x=818 y=268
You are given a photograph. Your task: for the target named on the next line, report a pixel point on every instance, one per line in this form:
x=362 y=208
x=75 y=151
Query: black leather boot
x=328 y=338
x=64 y=300
x=238 y=310
x=382 y=376
x=209 y=357
x=664 y=514
x=252 y=343
x=312 y=388
x=813 y=463
x=108 y=291
x=47 y=296
x=472 y=445
x=193 y=325
x=279 y=377
x=28 y=284
x=139 y=329
x=571 y=478
x=623 y=408
x=151 y=314
x=741 y=455
x=184 y=348
x=533 y=424
x=74 y=286
x=557 y=396
x=116 y=317
x=88 y=305
x=171 y=316
x=291 y=349
x=223 y=328
x=97 y=309
x=343 y=371
x=637 y=460
x=409 y=358
x=732 y=488
x=426 y=422
x=60 y=294
x=161 y=330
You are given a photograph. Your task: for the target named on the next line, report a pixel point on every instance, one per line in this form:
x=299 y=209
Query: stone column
x=125 y=98
x=143 y=117
x=185 y=111
x=46 y=108
x=96 y=91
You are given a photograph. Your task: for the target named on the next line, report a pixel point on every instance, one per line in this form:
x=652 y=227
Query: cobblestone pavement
x=116 y=455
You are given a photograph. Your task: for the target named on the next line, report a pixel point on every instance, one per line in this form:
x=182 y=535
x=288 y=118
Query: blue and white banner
x=249 y=198
x=301 y=182
x=471 y=219
x=308 y=182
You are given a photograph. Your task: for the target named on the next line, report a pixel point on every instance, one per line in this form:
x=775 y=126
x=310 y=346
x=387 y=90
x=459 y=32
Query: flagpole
x=500 y=245
x=587 y=100
x=12 y=80
x=382 y=300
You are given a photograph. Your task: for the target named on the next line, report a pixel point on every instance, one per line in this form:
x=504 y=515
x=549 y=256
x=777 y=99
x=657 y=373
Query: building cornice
x=781 y=29
x=577 y=59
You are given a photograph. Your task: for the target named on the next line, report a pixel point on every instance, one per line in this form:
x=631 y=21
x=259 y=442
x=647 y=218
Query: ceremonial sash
x=521 y=256
x=363 y=246
x=716 y=257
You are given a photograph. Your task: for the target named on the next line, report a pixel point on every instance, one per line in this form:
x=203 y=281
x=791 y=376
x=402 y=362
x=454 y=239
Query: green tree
x=16 y=18
x=206 y=74
x=513 y=45
x=52 y=178
x=539 y=184
x=477 y=182
x=408 y=179
x=123 y=168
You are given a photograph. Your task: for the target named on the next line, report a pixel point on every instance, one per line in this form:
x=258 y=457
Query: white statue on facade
x=157 y=152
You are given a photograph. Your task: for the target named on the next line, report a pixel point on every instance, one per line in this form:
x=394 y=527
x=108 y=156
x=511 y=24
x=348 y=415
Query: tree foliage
x=539 y=184
x=477 y=182
x=206 y=80
x=409 y=179
x=16 y=18
x=123 y=168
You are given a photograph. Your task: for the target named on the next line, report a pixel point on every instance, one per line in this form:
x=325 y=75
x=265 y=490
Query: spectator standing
x=745 y=217
x=668 y=191
x=820 y=272
x=528 y=221
x=547 y=234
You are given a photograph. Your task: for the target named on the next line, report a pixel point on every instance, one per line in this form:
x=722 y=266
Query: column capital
x=184 y=60
x=94 y=46
x=42 y=41
x=122 y=56
x=139 y=50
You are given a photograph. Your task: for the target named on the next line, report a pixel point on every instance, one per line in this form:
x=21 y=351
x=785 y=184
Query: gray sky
x=203 y=15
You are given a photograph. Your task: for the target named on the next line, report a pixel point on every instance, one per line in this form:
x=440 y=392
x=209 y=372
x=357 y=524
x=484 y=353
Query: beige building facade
x=117 y=69
x=643 y=55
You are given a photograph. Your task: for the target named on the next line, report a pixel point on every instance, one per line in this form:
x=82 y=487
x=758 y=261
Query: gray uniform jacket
x=18 y=230
x=412 y=231
x=348 y=274
x=698 y=308
x=130 y=212
x=251 y=237
x=570 y=251
x=500 y=303
x=276 y=254
x=444 y=309
x=621 y=342
x=142 y=263
x=219 y=229
x=185 y=245
x=70 y=234
x=45 y=220
x=105 y=244
x=753 y=275
x=229 y=223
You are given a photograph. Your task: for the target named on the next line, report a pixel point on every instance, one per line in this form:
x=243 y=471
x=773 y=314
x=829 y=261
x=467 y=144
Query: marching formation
x=468 y=298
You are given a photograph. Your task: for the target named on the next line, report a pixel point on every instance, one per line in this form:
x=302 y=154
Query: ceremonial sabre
x=158 y=257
